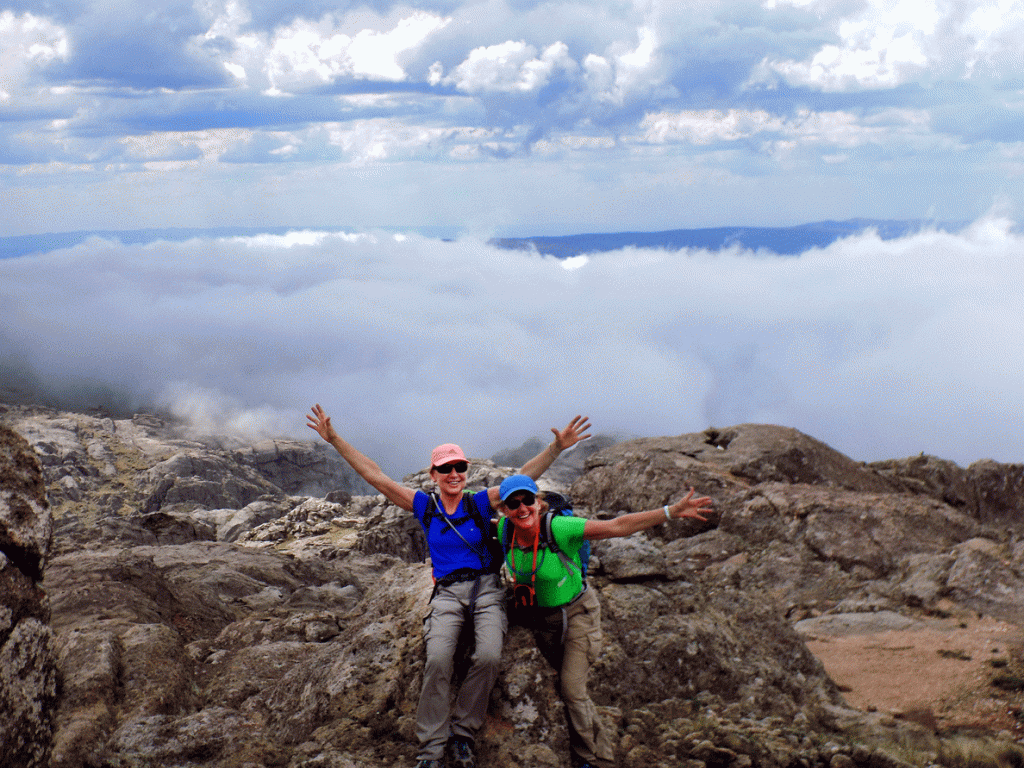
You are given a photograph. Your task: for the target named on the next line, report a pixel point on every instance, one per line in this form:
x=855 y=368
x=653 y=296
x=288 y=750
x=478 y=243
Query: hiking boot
x=429 y=764
x=460 y=753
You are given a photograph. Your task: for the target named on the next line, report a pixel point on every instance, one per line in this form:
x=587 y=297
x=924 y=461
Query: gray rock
x=630 y=558
x=844 y=624
x=924 y=578
x=305 y=468
x=28 y=671
x=197 y=479
x=987 y=490
x=982 y=578
x=299 y=642
x=650 y=472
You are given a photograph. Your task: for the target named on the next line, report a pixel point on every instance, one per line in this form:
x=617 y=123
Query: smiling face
x=524 y=510
x=450 y=480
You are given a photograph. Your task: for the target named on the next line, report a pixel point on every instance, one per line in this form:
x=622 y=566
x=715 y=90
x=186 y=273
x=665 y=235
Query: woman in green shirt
x=565 y=616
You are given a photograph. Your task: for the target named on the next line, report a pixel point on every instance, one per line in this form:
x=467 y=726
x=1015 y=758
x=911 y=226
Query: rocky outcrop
x=28 y=671
x=796 y=519
x=147 y=480
x=208 y=611
x=722 y=463
x=986 y=490
x=210 y=649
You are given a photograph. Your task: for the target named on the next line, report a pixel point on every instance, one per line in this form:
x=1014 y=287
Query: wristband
x=667 y=515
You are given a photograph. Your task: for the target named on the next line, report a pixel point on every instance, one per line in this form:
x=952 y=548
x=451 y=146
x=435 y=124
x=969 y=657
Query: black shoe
x=460 y=753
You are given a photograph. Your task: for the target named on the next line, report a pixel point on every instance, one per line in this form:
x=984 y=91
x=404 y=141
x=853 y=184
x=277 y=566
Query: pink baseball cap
x=445 y=453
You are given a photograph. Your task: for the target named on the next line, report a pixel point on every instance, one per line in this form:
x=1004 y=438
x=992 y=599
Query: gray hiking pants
x=448 y=611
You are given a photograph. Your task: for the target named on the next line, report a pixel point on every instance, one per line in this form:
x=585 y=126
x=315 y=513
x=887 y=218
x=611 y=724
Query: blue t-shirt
x=448 y=552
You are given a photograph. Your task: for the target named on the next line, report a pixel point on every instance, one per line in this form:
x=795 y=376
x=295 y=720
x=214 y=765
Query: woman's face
x=450 y=477
x=523 y=509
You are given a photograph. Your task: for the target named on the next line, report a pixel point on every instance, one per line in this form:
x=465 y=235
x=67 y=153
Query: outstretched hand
x=574 y=432
x=691 y=507
x=321 y=423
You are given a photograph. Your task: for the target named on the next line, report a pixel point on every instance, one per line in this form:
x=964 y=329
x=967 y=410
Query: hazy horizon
x=879 y=348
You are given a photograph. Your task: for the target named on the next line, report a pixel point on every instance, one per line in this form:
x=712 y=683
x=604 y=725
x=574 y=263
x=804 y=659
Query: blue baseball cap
x=516 y=483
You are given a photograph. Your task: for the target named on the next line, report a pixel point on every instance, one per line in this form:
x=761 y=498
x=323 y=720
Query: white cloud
x=171 y=144
x=886 y=43
x=510 y=67
x=878 y=50
x=707 y=126
x=879 y=348
x=363 y=141
x=585 y=114
x=27 y=42
x=306 y=53
x=625 y=73
x=803 y=129
x=997 y=31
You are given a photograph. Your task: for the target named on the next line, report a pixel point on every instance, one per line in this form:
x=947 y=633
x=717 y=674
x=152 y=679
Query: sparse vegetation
x=967 y=752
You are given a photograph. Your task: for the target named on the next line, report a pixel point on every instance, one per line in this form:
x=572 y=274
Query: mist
x=881 y=349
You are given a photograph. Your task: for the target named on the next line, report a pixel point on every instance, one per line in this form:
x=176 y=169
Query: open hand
x=321 y=423
x=574 y=432
x=691 y=507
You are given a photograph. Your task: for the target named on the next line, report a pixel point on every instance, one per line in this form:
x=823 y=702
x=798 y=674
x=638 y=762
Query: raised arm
x=624 y=525
x=574 y=432
x=368 y=469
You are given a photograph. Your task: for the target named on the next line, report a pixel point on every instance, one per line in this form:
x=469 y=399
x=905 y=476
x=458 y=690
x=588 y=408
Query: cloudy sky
x=521 y=117
x=506 y=116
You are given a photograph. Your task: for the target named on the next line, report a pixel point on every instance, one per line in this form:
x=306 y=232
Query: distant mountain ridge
x=785 y=241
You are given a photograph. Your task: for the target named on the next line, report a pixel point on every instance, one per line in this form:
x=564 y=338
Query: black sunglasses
x=458 y=466
x=526 y=498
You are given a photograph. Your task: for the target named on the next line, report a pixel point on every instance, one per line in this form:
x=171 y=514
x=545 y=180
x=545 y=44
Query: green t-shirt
x=553 y=585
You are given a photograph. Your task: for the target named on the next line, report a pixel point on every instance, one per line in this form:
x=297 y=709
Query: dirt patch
x=950 y=674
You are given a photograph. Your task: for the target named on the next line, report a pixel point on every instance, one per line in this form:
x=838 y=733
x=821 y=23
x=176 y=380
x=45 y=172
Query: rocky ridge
x=213 y=603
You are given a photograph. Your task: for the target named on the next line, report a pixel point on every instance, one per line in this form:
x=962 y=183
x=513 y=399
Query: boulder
x=999 y=490
x=981 y=576
x=649 y=472
x=990 y=492
x=200 y=479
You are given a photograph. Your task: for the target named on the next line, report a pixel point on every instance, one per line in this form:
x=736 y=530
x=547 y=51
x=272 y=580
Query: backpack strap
x=548 y=540
x=489 y=539
x=485 y=554
x=504 y=540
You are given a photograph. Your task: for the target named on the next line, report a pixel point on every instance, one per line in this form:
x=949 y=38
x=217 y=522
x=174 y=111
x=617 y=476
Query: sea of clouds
x=881 y=349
